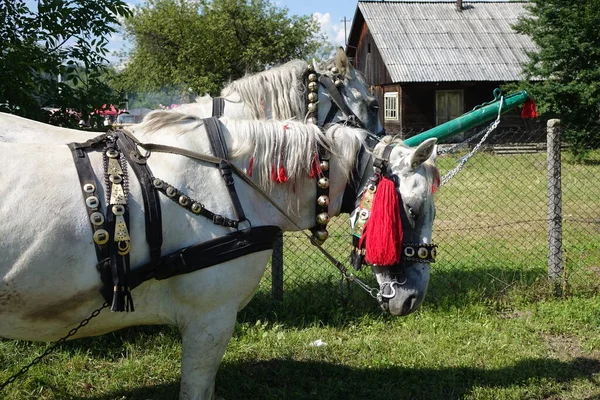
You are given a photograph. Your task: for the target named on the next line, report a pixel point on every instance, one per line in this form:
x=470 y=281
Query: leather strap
x=87 y=177
x=206 y=254
x=219 y=149
x=218 y=107
x=152 y=212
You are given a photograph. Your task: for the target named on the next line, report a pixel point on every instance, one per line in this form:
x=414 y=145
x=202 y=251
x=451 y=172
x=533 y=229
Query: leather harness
x=117 y=276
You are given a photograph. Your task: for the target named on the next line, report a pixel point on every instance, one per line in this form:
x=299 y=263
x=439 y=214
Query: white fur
x=48 y=279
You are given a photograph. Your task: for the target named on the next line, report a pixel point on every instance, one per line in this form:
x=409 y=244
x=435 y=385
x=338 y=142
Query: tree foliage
x=54 y=55
x=198 y=45
x=567 y=63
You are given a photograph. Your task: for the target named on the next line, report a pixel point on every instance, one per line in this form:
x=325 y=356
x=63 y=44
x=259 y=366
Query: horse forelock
x=281 y=89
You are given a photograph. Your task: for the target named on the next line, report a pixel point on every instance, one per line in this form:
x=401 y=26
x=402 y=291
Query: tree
x=198 y=45
x=566 y=65
x=55 y=56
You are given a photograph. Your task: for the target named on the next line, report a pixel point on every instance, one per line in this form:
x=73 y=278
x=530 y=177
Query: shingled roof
x=431 y=41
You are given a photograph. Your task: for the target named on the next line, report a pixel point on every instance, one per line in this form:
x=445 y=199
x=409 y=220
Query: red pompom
x=529 y=110
x=383 y=231
x=278 y=174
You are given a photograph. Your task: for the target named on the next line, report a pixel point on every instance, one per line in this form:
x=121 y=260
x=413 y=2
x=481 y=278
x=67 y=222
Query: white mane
x=283 y=84
x=271 y=144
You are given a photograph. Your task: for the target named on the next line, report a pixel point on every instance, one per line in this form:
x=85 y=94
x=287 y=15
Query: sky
x=329 y=13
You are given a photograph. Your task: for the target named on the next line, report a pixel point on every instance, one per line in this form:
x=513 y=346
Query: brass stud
x=334 y=70
x=171 y=191
x=112 y=153
x=323 y=183
x=158 y=183
x=312 y=77
x=184 y=200
x=324 y=164
x=313 y=97
x=313 y=87
x=115 y=178
x=338 y=83
x=92 y=202
x=323 y=201
x=96 y=218
x=118 y=209
x=422 y=252
x=321 y=235
x=101 y=237
x=312 y=120
x=196 y=208
x=323 y=219
x=311 y=67
x=409 y=251
x=123 y=247
x=312 y=107
x=89 y=188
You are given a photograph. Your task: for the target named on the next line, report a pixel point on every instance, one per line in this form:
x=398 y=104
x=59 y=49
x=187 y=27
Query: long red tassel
x=529 y=110
x=383 y=231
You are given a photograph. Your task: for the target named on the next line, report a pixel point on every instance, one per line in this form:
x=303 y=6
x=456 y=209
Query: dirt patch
x=566 y=347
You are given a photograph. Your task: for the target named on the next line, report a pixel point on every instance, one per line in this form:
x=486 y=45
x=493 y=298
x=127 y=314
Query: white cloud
x=334 y=31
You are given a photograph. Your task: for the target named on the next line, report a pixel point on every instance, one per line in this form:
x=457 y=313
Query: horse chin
x=405 y=296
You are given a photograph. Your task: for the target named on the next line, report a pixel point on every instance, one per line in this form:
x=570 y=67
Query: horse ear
x=422 y=153
x=342 y=63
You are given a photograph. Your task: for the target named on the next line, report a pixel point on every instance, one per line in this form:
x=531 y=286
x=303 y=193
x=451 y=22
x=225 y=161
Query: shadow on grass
x=287 y=379
x=308 y=301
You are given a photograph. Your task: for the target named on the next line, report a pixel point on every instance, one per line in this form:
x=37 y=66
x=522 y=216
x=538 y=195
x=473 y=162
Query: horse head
x=412 y=175
x=362 y=106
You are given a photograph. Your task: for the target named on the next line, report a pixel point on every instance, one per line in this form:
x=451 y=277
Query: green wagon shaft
x=479 y=115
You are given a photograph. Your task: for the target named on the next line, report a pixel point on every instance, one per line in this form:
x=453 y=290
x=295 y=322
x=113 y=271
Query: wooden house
x=431 y=61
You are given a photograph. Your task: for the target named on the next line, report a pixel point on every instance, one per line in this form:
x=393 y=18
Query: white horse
x=48 y=276
x=280 y=93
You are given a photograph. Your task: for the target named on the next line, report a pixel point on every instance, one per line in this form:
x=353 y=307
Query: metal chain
x=50 y=349
x=450 y=174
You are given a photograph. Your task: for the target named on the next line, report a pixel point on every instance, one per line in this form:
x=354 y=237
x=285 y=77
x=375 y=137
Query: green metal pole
x=479 y=115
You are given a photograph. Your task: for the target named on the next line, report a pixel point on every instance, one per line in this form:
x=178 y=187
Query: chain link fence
x=513 y=217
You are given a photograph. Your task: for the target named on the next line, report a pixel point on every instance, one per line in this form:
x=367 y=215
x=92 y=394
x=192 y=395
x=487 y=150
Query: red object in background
x=108 y=110
x=529 y=110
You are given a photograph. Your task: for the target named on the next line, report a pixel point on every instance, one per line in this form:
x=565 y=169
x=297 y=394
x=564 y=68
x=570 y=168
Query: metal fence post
x=277 y=268
x=555 y=259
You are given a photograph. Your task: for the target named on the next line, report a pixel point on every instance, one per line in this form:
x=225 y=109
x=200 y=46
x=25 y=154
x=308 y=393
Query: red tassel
x=529 y=110
x=383 y=231
x=250 y=166
x=315 y=169
x=281 y=175
x=278 y=175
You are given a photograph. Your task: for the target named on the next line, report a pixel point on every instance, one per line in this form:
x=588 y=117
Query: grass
x=492 y=327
